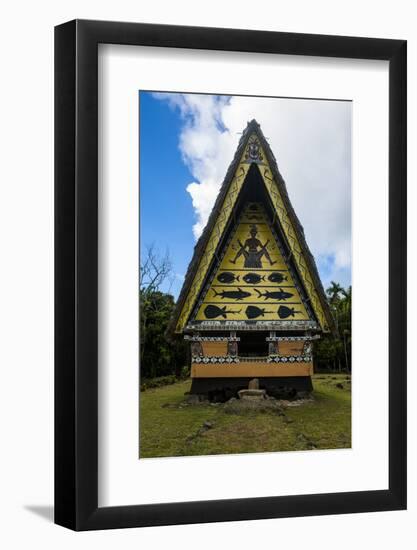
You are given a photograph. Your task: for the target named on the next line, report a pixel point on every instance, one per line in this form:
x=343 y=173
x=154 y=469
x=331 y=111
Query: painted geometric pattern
x=224 y=215
x=294 y=245
x=210 y=249
x=252 y=282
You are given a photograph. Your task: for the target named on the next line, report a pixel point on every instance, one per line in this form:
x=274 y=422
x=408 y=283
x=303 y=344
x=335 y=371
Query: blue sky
x=187 y=142
x=166 y=212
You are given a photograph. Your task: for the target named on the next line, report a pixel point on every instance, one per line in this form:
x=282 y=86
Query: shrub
x=185 y=372
x=158 y=382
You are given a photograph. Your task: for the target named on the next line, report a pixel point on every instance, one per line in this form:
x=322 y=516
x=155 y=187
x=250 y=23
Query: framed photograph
x=230 y=255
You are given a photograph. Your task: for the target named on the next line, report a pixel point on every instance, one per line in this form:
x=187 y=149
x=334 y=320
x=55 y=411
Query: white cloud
x=311 y=142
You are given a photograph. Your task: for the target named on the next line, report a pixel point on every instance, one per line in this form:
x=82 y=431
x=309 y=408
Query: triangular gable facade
x=252 y=280
x=252 y=265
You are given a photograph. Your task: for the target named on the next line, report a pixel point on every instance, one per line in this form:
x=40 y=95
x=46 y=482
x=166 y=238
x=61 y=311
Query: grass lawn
x=168 y=427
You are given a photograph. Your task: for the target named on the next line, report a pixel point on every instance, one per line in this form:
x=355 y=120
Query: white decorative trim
x=222 y=359
x=251 y=326
x=291 y=338
x=290 y=359
x=269 y=359
x=212 y=338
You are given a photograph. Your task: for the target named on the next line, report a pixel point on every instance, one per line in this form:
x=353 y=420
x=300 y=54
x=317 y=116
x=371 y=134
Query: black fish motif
x=252 y=312
x=238 y=294
x=226 y=277
x=277 y=277
x=284 y=312
x=275 y=295
x=253 y=278
x=211 y=312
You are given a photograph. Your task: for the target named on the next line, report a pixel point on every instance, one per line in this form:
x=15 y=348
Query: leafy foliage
x=334 y=352
x=159 y=357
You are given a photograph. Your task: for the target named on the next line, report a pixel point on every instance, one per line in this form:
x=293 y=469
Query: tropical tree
x=158 y=356
x=334 y=292
x=333 y=352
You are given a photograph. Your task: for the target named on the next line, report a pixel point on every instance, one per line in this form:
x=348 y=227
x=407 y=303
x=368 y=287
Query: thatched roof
x=252 y=128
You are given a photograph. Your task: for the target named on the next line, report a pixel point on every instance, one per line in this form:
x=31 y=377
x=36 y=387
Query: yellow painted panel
x=253 y=281
x=211 y=246
x=296 y=250
x=253 y=247
x=214 y=349
x=276 y=278
x=251 y=369
x=249 y=294
x=290 y=348
x=251 y=312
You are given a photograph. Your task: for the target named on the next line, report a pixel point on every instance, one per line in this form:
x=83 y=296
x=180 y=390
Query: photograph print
x=245 y=274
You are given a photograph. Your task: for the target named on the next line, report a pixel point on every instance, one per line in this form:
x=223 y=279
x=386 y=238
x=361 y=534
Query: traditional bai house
x=252 y=301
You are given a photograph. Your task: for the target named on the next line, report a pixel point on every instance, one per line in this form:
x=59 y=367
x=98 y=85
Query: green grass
x=168 y=427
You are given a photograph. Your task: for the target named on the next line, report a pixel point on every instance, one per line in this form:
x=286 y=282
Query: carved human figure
x=232 y=348
x=273 y=348
x=253 y=250
x=308 y=348
x=196 y=349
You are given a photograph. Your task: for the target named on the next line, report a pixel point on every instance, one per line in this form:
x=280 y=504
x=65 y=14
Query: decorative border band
x=214 y=359
x=290 y=359
x=259 y=325
x=270 y=359
x=212 y=338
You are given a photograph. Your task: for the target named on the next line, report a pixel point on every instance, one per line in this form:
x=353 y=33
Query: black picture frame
x=76 y=272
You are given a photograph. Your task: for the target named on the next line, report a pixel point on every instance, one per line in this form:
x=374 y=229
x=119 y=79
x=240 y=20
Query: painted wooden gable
x=192 y=310
x=252 y=281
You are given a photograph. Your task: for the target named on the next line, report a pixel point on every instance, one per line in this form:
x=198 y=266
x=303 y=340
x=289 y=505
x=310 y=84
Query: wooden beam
x=253 y=369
